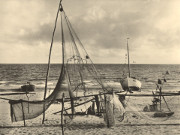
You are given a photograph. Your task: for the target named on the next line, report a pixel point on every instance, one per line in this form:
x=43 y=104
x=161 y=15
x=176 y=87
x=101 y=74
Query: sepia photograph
x=89 y=67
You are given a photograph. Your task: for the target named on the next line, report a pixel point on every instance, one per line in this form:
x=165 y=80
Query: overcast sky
x=153 y=27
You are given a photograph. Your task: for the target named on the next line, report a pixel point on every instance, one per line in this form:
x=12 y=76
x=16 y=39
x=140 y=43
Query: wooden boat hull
x=130 y=84
x=28 y=88
x=163 y=114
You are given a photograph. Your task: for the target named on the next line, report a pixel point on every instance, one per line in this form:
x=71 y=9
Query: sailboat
x=130 y=83
x=77 y=80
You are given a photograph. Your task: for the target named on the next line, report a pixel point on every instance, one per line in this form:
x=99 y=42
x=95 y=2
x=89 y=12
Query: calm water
x=12 y=76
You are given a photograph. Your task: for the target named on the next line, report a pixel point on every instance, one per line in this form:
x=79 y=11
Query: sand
x=135 y=121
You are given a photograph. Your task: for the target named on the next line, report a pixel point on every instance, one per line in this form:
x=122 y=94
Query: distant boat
x=28 y=87
x=130 y=83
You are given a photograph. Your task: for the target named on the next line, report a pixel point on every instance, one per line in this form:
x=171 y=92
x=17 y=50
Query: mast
x=62 y=36
x=128 y=58
x=47 y=74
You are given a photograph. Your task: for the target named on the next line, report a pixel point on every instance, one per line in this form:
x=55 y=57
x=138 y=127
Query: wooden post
x=97 y=104
x=110 y=120
x=105 y=109
x=23 y=114
x=72 y=107
x=62 y=120
x=160 y=94
x=11 y=108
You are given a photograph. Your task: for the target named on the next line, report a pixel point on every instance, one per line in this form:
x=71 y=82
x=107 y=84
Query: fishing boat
x=158 y=98
x=160 y=112
x=163 y=114
x=28 y=87
x=130 y=83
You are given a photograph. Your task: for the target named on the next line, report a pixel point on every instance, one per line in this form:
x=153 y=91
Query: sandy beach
x=135 y=121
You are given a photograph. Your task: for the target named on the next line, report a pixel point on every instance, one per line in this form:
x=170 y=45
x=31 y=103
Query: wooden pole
x=45 y=90
x=110 y=120
x=72 y=107
x=160 y=97
x=106 y=116
x=23 y=114
x=62 y=110
x=166 y=104
x=97 y=104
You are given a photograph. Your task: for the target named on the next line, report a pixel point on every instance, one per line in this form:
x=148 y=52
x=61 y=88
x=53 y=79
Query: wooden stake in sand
x=62 y=122
x=109 y=115
x=23 y=114
x=97 y=104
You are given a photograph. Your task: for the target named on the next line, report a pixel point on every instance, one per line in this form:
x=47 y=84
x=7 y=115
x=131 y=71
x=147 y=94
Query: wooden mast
x=63 y=57
x=47 y=75
x=128 y=58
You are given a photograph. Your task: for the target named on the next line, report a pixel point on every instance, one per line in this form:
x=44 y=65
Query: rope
x=77 y=51
x=96 y=72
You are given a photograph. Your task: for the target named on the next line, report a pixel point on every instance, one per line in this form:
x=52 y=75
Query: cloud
x=152 y=26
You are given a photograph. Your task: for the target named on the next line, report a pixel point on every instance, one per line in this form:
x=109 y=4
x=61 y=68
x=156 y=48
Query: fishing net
x=137 y=112
x=113 y=109
x=78 y=76
x=22 y=110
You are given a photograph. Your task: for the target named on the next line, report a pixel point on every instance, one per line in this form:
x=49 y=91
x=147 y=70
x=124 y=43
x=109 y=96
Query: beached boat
x=130 y=83
x=28 y=87
x=161 y=112
x=156 y=105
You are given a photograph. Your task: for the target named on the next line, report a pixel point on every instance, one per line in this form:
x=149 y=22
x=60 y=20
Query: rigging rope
x=87 y=56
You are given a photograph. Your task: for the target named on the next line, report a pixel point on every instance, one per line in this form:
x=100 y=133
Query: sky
x=152 y=26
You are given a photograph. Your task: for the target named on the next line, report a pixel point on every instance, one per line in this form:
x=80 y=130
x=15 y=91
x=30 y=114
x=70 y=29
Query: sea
x=13 y=76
